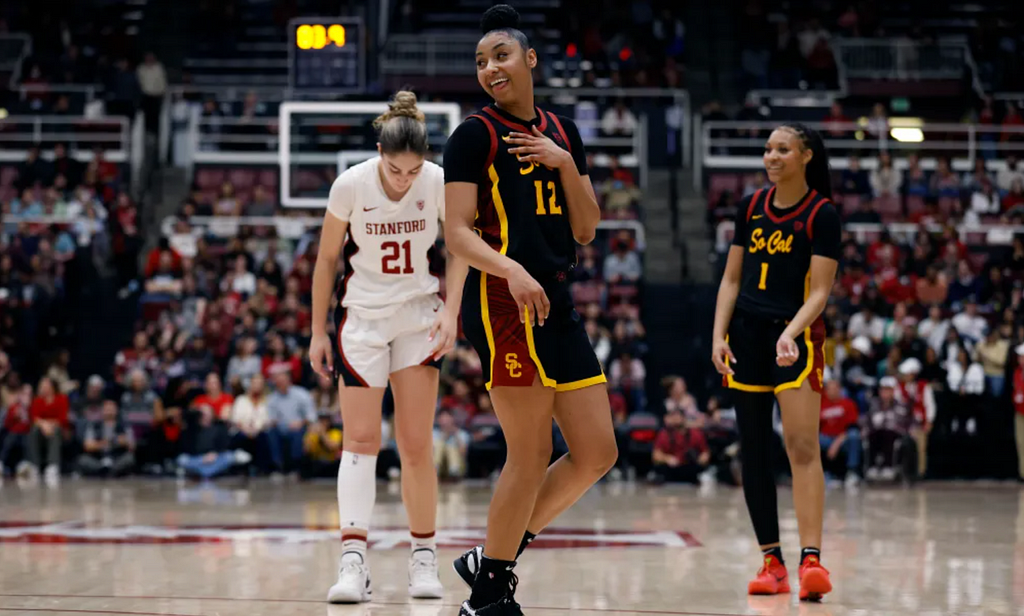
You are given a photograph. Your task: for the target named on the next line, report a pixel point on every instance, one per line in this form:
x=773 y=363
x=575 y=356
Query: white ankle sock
x=423 y=542
x=352 y=546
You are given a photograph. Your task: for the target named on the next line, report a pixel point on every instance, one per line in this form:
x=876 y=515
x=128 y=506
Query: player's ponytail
x=402 y=128
x=818 y=172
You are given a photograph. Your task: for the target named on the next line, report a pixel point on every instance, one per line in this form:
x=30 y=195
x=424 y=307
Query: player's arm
x=465 y=152
x=461 y=238
x=584 y=212
x=332 y=238
x=455 y=272
x=825 y=247
x=729 y=290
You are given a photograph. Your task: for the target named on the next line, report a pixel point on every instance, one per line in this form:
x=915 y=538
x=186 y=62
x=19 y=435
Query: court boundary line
x=313 y=601
x=47 y=610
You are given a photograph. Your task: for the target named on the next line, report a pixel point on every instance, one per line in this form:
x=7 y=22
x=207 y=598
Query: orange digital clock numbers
x=318 y=36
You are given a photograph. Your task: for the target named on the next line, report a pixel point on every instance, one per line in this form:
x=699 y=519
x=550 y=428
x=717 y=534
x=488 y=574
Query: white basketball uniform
x=388 y=296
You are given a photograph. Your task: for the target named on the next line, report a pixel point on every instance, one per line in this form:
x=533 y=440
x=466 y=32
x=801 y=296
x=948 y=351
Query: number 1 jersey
x=778 y=245
x=387 y=251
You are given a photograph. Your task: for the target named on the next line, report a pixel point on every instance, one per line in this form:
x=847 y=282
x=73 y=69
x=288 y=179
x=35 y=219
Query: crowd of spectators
x=215 y=379
x=63 y=224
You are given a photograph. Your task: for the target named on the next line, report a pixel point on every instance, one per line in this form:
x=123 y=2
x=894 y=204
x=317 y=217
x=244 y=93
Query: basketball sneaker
x=423 y=579
x=814 y=580
x=772 y=578
x=353 y=585
x=506 y=606
x=468 y=564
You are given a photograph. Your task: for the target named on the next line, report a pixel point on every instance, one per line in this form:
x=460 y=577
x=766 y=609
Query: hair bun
x=403 y=105
x=499 y=17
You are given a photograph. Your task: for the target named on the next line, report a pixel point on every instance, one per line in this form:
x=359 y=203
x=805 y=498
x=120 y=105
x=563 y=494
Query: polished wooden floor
x=156 y=547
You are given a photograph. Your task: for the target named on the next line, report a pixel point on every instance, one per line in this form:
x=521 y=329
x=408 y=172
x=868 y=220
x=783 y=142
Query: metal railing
x=901 y=59
x=14 y=48
x=19 y=133
x=864 y=233
x=428 y=54
x=728 y=145
x=294 y=227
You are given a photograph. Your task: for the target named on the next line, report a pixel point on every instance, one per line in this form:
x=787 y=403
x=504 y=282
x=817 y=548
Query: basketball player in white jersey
x=391 y=326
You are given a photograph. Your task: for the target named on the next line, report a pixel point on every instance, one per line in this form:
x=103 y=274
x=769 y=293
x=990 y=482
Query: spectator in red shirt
x=839 y=432
x=49 y=415
x=1018 y=405
x=681 y=453
x=16 y=426
x=214 y=397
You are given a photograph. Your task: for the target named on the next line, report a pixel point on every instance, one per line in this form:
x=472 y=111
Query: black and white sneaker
x=468 y=564
x=506 y=606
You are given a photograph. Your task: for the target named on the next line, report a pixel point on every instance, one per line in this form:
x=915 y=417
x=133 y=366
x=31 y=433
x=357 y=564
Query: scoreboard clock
x=327 y=55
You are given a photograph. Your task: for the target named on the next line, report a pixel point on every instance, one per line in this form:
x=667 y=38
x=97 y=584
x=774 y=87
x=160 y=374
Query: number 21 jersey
x=777 y=248
x=386 y=253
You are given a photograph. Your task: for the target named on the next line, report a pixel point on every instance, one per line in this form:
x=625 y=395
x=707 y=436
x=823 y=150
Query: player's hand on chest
x=537 y=177
x=536 y=148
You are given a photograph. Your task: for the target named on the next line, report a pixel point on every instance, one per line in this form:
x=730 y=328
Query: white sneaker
x=888 y=473
x=852 y=481
x=51 y=476
x=874 y=473
x=242 y=457
x=353 y=585
x=423 y=579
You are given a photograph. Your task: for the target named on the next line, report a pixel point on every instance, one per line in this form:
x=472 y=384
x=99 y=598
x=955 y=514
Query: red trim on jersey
x=341 y=351
x=810 y=219
x=561 y=131
x=494 y=139
x=753 y=203
x=796 y=211
x=516 y=126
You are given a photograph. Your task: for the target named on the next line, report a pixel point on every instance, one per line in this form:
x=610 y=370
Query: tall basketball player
x=769 y=343
x=519 y=199
x=391 y=326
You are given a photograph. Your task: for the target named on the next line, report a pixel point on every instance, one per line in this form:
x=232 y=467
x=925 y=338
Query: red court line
x=266 y=600
x=58 y=611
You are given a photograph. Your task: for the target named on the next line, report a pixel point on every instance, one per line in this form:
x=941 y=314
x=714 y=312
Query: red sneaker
x=814 y=580
x=772 y=579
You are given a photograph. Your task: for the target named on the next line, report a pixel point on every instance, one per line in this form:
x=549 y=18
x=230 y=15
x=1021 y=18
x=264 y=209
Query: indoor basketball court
x=148 y=548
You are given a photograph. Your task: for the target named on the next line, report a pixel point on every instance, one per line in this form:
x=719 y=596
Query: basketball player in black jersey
x=768 y=343
x=518 y=201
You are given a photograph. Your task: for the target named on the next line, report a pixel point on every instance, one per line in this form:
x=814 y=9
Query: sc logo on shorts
x=513 y=366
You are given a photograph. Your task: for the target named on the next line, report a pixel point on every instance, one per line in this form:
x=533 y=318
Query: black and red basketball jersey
x=521 y=206
x=778 y=245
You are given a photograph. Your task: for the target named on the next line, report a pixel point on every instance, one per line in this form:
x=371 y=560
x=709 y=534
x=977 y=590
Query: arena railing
x=294 y=227
x=199 y=140
x=122 y=142
x=88 y=92
x=428 y=54
x=906 y=60
x=717 y=147
x=14 y=48
x=994 y=234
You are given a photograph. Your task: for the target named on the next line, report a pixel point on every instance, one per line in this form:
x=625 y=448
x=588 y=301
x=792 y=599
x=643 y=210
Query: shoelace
x=352 y=567
x=423 y=568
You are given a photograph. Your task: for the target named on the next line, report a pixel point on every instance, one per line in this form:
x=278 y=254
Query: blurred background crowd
x=154 y=291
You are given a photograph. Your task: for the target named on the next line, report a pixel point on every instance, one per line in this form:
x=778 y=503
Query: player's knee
x=535 y=455
x=598 y=458
x=802 y=450
x=416 y=449
x=362 y=439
